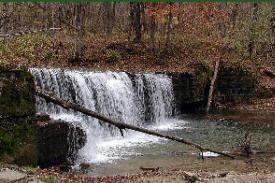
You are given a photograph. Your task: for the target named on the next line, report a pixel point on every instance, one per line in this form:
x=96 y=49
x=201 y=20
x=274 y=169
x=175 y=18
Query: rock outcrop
x=58 y=143
x=26 y=138
x=17 y=94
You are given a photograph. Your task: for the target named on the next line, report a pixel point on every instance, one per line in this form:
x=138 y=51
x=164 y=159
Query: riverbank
x=258 y=168
x=259 y=112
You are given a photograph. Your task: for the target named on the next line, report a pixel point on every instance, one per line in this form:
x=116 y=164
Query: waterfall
x=140 y=99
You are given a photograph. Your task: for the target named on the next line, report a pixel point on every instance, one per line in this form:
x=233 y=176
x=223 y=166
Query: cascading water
x=142 y=99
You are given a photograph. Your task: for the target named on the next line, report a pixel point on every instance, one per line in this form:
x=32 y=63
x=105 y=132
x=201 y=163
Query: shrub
x=112 y=56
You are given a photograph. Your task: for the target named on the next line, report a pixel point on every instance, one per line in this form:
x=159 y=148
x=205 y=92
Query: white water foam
x=142 y=100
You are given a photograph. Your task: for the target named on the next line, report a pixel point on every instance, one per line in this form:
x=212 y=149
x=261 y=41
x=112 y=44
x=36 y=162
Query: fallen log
x=66 y=104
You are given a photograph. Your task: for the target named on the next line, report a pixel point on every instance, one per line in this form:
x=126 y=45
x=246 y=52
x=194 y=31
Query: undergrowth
x=183 y=54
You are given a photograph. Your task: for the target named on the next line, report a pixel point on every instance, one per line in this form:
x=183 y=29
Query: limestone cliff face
x=190 y=91
x=233 y=86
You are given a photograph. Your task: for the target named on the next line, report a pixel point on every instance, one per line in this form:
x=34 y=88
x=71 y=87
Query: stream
x=143 y=100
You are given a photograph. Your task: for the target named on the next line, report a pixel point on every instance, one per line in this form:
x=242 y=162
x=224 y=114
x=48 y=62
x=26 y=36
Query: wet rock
x=58 y=143
x=46 y=145
x=84 y=166
x=224 y=174
x=190 y=90
x=233 y=86
x=17 y=113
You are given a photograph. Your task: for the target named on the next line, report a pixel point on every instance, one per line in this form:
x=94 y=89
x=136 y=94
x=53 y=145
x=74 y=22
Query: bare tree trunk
x=211 y=89
x=222 y=30
x=79 y=24
x=131 y=19
x=114 y=13
x=4 y=18
x=137 y=22
x=107 y=17
x=251 y=44
x=59 y=15
x=152 y=30
x=169 y=27
x=143 y=18
x=52 y=98
x=234 y=14
x=221 y=24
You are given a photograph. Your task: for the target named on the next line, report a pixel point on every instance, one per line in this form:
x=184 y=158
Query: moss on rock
x=17 y=94
x=17 y=106
x=18 y=145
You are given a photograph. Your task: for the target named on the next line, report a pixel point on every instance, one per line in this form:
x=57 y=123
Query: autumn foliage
x=46 y=33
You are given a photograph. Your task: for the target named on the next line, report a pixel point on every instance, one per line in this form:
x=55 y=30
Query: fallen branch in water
x=66 y=104
x=153 y=169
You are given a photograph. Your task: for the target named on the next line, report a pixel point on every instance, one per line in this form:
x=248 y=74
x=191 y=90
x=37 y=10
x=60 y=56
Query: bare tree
x=252 y=36
x=170 y=26
x=221 y=30
x=108 y=17
x=79 y=25
x=152 y=29
x=137 y=21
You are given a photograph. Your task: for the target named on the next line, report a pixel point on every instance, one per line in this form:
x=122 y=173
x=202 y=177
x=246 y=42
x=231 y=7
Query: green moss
x=19 y=145
x=27 y=155
x=17 y=97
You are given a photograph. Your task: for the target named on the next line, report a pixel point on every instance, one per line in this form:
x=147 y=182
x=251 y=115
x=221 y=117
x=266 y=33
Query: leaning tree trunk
x=221 y=30
x=66 y=104
x=210 y=94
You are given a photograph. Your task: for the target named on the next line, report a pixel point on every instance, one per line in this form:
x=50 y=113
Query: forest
x=197 y=74
x=172 y=34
